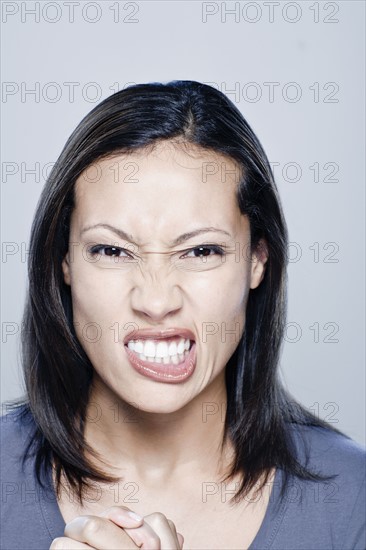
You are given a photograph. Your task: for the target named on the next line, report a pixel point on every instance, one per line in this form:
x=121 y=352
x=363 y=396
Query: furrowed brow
x=186 y=236
x=122 y=234
x=179 y=240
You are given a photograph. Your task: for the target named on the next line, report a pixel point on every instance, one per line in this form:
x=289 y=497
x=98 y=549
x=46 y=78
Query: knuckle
x=157 y=518
x=91 y=527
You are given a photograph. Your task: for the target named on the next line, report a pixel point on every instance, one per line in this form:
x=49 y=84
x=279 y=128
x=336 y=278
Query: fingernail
x=134 y=516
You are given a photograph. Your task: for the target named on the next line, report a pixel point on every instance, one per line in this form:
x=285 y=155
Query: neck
x=158 y=447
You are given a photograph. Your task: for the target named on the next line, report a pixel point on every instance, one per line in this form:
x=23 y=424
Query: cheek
x=225 y=289
x=220 y=309
x=98 y=308
x=95 y=288
x=96 y=322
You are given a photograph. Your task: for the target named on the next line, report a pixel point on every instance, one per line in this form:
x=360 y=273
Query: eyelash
x=95 y=250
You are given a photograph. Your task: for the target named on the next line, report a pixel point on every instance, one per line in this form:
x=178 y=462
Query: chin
x=158 y=402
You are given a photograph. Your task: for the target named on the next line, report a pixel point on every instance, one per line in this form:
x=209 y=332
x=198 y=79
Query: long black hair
x=57 y=371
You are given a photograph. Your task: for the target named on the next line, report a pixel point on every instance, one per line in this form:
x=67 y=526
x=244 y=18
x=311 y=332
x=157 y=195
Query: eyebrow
x=179 y=240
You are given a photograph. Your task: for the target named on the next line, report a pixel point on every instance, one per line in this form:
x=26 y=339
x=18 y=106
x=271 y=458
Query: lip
x=172 y=374
x=153 y=334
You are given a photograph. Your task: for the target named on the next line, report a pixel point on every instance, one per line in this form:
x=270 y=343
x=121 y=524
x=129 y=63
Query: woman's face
x=155 y=283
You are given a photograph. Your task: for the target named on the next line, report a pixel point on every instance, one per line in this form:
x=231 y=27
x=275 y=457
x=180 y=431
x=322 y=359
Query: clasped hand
x=118 y=528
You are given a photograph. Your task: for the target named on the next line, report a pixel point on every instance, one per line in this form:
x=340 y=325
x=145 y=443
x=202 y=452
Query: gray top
x=313 y=515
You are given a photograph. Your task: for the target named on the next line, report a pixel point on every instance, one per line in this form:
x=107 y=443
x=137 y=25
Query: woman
x=154 y=415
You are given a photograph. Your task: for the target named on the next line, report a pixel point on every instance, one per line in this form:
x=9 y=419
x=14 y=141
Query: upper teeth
x=161 y=349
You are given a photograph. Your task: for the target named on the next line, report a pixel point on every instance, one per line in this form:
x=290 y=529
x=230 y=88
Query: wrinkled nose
x=156 y=294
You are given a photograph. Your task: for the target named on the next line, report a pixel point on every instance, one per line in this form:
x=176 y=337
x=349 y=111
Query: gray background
x=311 y=52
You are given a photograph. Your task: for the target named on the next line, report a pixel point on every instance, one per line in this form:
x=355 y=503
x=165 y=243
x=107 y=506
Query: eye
x=205 y=251
x=111 y=251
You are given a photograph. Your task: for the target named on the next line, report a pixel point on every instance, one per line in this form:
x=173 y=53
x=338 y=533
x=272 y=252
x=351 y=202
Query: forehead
x=187 y=163
x=167 y=187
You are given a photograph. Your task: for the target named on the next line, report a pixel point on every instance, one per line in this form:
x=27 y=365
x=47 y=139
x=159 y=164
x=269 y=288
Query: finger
x=134 y=525
x=124 y=516
x=100 y=533
x=179 y=536
x=180 y=539
x=145 y=537
x=172 y=526
x=166 y=533
x=64 y=543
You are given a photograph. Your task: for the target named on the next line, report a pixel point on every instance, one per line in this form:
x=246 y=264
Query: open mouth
x=170 y=359
x=167 y=351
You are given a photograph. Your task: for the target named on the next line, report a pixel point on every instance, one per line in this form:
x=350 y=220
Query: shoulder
x=328 y=451
x=329 y=513
x=17 y=430
x=29 y=513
